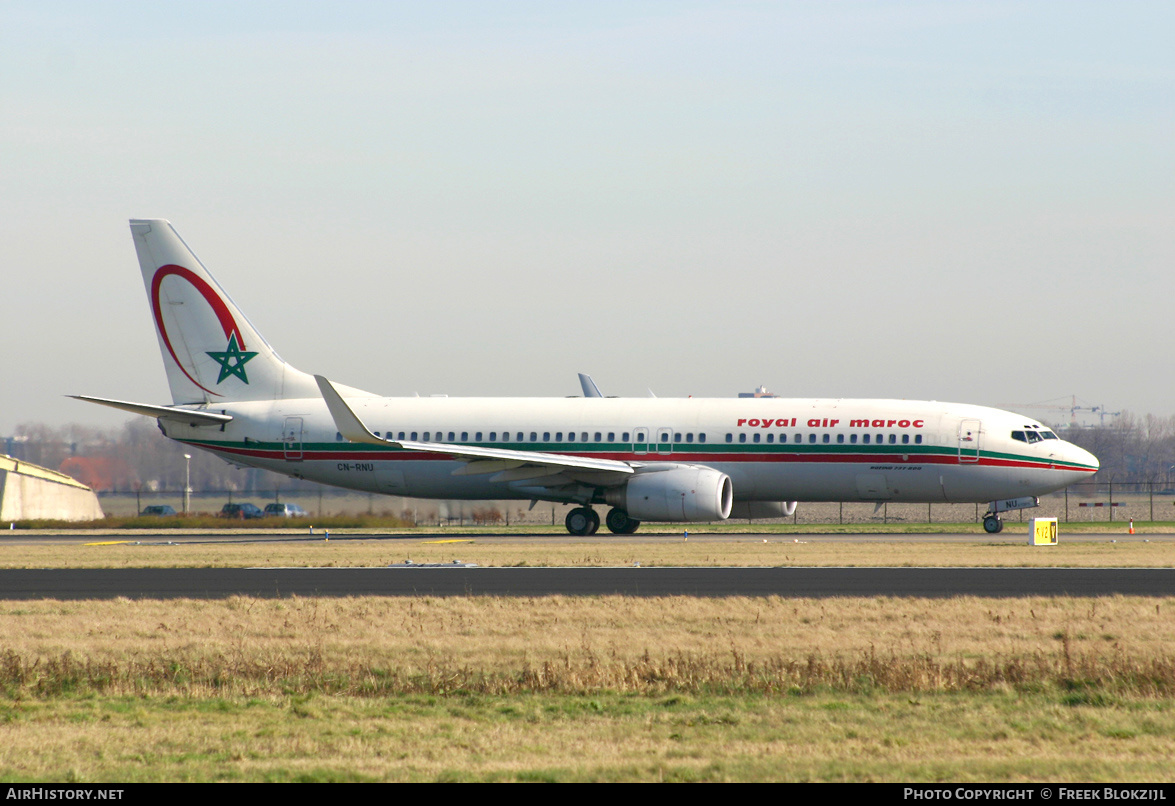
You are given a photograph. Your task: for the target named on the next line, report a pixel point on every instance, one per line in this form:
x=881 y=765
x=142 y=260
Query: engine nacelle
x=752 y=510
x=686 y=493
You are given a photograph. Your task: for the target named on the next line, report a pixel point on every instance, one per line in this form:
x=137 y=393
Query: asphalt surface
x=212 y=583
x=215 y=583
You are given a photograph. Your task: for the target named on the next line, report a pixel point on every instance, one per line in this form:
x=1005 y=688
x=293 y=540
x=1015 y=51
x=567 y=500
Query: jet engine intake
x=686 y=493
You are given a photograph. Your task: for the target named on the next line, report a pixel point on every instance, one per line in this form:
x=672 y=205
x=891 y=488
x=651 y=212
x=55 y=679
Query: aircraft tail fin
x=211 y=352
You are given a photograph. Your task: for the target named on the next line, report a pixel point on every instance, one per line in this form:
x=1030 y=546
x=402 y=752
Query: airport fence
x=1109 y=501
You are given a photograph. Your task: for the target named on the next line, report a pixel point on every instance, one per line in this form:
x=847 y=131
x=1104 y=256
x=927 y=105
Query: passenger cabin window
x=701 y=437
x=852 y=439
x=451 y=437
x=571 y=436
x=770 y=438
x=583 y=437
x=865 y=439
x=477 y=437
x=677 y=437
x=756 y=437
x=730 y=437
x=826 y=439
x=905 y=439
x=742 y=437
x=611 y=436
x=893 y=439
x=493 y=436
x=840 y=439
x=414 y=436
x=783 y=437
x=599 y=437
x=546 y=436
x=464 y=436
x=534 y=437
x=917 y=439
x=402 y=435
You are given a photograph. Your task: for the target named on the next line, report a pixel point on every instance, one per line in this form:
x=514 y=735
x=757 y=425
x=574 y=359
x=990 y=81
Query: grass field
x=604 y=688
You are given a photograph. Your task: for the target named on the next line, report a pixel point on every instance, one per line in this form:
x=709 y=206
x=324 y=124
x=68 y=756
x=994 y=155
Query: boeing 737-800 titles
x=657 y=459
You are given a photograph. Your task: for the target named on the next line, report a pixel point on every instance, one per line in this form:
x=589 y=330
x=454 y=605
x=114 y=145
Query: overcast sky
x=951 y=201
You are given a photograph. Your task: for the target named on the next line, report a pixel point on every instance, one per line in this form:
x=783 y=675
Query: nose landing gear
x=992 y=524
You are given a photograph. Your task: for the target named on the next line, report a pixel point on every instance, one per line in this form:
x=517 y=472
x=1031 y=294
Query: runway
x=217 y=583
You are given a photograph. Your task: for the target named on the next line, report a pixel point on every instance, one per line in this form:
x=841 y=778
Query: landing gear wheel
x=582 y=521
x=619 y=523
x=992 y=524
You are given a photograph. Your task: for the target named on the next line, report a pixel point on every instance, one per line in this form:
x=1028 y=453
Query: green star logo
x=232 y=361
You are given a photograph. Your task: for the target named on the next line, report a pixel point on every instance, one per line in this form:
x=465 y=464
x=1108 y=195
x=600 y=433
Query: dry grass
x=381 y=646
x=588 y=689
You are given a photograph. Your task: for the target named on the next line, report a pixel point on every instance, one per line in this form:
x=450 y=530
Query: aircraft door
x=640 y=440
x=292 y=439
x=970 y=441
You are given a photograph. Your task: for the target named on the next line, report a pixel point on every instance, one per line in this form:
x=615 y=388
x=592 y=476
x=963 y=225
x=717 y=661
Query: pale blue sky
x=952 y=201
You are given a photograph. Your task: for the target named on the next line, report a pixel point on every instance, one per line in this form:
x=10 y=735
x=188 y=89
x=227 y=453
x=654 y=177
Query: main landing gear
x=583 y=521
x=619 y=523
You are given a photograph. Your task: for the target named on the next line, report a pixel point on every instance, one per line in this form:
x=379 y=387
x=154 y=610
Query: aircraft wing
x=188 y=416
x=502 y=461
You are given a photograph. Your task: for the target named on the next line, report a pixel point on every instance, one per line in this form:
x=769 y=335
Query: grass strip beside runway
x=607 y=688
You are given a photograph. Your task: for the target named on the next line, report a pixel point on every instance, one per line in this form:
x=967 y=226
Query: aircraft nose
x=1081 y=458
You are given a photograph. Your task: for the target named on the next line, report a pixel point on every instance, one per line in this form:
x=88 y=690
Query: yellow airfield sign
x=1043 y=532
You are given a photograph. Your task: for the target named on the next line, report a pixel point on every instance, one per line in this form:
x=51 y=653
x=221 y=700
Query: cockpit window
x=1031 y=436
x=1019 y=435
x=1049 y=435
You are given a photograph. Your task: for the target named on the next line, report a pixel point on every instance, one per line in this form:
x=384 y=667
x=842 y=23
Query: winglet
x=589 y=386
x=349 y=425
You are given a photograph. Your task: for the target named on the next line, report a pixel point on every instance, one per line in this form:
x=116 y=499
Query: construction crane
x=1072 y=408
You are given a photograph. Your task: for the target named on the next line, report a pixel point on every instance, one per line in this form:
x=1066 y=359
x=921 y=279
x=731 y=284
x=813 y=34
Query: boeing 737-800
x=658 y=459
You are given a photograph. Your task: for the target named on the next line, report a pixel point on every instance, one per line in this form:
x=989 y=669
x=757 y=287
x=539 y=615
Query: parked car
x=284 y=511
x=158 y=509
x=245 y=510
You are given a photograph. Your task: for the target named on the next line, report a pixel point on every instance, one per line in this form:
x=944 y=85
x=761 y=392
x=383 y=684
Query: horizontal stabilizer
x=172 y=413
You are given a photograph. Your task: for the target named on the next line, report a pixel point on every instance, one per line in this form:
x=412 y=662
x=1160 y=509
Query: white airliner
x=656 y=459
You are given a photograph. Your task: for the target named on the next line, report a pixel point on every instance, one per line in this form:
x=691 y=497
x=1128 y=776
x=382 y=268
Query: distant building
x=760 y=392
x=32 y=492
